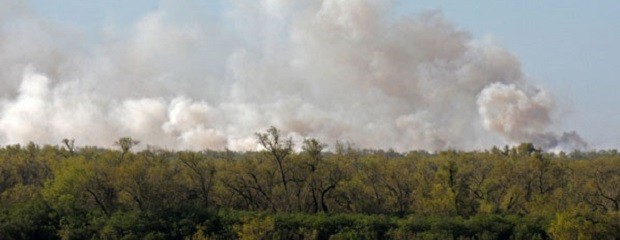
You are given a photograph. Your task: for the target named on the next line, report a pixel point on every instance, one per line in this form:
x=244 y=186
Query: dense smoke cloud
x=523 y=117
x=345 y=70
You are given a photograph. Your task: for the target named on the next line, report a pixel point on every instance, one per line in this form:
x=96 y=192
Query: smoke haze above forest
x=344 y=70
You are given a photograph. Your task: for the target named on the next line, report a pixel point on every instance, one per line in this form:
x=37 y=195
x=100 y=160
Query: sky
x=570 y=47
x=567 y=48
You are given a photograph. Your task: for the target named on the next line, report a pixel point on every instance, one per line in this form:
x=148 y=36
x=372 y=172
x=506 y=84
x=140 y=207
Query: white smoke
x=523 y=117
x=343 y=70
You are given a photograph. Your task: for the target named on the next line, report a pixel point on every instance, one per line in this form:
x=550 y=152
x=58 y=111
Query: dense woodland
x=68 y=192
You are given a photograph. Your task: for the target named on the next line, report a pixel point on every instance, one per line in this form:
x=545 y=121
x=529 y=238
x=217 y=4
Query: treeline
x=64 y=192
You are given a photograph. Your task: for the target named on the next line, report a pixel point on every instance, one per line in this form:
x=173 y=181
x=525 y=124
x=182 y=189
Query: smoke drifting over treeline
x=348 y=70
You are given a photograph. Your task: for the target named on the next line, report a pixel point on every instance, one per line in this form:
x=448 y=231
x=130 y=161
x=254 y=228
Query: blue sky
x=570 y=48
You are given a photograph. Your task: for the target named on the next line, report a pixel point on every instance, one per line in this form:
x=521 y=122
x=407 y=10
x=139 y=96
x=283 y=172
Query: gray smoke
x=345 y=70
x=523 y=117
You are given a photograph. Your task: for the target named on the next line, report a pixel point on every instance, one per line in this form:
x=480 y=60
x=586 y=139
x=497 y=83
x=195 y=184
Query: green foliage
x=69 y=192
x=33 y=219
x=582 y=223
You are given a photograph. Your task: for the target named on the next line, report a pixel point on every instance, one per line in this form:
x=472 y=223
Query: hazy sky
x=570 y=48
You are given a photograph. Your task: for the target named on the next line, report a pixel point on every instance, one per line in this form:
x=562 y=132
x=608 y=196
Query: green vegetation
x=64 y=192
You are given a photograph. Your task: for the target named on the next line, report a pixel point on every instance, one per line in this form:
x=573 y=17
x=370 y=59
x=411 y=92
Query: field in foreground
x=49 y=192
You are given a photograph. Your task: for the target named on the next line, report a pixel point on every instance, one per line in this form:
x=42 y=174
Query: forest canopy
x=520 y=192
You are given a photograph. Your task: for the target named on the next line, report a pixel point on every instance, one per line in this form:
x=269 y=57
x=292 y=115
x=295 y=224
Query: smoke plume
x=344 y=70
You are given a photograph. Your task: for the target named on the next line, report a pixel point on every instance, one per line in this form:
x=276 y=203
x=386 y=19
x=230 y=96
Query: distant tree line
x=68 y=192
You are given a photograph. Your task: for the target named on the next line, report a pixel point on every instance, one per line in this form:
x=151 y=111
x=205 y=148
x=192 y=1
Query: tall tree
x=279 y=149
x=126 y=143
